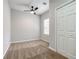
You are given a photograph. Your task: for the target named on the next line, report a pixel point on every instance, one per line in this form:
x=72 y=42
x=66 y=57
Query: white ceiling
x=20 y=5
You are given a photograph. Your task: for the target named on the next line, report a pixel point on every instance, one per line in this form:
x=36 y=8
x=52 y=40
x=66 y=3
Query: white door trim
x=64 y=4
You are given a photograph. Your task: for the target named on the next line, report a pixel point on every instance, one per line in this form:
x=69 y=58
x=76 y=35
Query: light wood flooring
x=31 y=50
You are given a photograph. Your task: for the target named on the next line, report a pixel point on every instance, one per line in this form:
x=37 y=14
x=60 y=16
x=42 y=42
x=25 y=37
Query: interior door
x=66 y=30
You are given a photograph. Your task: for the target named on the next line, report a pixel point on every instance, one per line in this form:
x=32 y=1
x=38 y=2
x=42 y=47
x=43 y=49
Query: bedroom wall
x=52 y=41
x=44 y=16
x=6 y=26
x=24 y=27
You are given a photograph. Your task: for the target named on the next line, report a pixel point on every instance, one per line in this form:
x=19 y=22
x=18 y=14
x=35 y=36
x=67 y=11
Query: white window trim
x=46 y=25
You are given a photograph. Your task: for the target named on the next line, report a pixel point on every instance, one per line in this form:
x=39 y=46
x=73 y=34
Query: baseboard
x=52 y=49
x=43 y=39
x=6 y=50
x=69 y=56
x=24 y=41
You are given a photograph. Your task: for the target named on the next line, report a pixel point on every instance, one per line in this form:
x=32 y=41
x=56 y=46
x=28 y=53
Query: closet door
x=66 y=30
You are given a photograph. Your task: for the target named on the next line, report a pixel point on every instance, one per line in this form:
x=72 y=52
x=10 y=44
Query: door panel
x=66 y=30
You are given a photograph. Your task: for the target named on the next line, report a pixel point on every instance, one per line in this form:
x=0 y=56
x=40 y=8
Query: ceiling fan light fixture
x=32 y=12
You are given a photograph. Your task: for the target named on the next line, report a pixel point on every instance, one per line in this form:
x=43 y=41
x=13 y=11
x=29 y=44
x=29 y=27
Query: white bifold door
x=66 y=30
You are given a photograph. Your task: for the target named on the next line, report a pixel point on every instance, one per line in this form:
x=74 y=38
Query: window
x=46 y=26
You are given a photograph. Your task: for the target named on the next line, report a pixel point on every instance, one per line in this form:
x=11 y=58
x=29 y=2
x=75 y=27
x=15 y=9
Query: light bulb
x=32 y=12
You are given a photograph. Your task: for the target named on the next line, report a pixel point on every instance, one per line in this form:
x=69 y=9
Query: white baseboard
x=69 y=56
x=63 y=53
x=44 y=39
x=52 y=49
x=24 y=40
x=6 y=50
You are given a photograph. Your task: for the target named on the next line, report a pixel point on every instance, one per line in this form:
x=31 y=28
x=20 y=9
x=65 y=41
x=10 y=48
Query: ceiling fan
x=32 y=10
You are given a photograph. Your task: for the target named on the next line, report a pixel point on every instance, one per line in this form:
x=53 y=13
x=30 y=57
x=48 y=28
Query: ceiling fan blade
x=36 y=8
x=32 y=6
x=27 y=11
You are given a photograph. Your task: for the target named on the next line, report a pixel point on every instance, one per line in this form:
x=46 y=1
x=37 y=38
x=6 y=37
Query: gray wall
x=6 y=26
x=43 y=17
x=52 y=41
x=24 y=27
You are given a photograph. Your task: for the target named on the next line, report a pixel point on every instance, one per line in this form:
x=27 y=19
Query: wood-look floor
x=31 y=50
